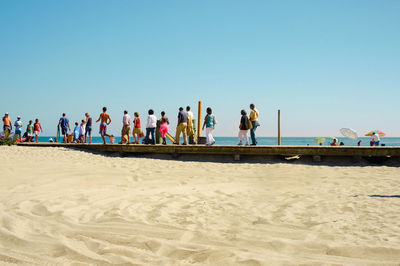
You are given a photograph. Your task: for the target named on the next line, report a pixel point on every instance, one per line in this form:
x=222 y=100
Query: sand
x=67 y=207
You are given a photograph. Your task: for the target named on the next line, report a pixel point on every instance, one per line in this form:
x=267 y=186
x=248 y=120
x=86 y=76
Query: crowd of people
x=375 y=141
x=31 y=133
x=155 y=128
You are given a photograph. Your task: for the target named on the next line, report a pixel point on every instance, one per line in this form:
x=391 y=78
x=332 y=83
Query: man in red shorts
x=105 y=121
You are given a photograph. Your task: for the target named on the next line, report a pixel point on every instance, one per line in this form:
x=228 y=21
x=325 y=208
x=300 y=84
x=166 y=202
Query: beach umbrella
x=380 y=133
x=349 y=133
x=319 y=140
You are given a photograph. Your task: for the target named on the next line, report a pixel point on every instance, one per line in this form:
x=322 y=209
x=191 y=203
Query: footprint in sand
x=40 y=210
x=187 y=236
x=152 y=245
x=133 y=178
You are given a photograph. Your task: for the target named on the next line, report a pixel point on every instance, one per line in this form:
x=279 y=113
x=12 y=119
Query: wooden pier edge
x=234 y=151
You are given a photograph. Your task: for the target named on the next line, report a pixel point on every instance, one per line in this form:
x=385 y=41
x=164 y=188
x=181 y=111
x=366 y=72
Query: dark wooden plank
x=231 y=150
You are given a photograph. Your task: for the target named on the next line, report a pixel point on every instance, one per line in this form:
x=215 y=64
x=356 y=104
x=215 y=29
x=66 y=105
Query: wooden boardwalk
x=237 y=152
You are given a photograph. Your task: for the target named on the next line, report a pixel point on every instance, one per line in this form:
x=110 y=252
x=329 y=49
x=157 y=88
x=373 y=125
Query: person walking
x=181 y=127
x=243 y=128
x=29 y=131
x=37 y=127
x=151 y=127
x=64 y=123
x=158 y=132
x=88 y=128
x=190 y=127
x=126 y=128
x=18 y=128
x=137 y=131
x=254 y=122
x=7 y=124
x=209 y=124
x=105 y=121
x=164 y=127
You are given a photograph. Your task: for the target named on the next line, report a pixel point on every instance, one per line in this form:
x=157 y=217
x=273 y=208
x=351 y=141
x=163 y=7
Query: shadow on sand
x=302 y=160
x=384 y=196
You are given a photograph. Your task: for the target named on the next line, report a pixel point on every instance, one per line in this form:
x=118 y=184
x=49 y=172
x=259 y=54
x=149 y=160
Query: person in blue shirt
x=18 y=127
x=77 y=131
x=64 y=123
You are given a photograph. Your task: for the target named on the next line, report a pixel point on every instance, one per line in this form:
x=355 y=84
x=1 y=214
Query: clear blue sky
x=325 y=64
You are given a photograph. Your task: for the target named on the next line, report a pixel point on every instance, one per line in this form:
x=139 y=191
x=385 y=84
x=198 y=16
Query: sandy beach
x=67 y=207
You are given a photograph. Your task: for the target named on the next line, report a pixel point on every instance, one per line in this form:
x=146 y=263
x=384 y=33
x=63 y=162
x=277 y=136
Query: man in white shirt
x=18 y=128
x=151 y=127
x=126 y=128
x=376 y=139
x=190 y=127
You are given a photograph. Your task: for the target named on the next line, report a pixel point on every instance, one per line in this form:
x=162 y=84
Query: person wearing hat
x=7 y=123
x=18 y=127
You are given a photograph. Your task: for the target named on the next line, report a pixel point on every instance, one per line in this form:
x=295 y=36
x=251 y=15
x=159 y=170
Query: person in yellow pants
x=190 y=128
x=181 y=127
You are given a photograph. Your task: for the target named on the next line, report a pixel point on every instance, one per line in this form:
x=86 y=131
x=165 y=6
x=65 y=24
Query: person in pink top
x=37 y=127
x=164 y=127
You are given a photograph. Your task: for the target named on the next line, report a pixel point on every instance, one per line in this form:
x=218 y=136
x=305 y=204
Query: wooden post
x=279 y=127
x=199 y=120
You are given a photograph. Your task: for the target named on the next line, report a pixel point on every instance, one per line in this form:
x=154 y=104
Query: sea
x=301 y=141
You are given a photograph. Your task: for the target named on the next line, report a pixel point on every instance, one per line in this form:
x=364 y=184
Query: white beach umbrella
x=349 y=133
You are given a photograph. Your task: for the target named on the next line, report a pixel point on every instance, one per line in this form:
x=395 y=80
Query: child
x=76 y=132
x=137 y=131
x=37 y=128
x=29 y=130
x=82 y=131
